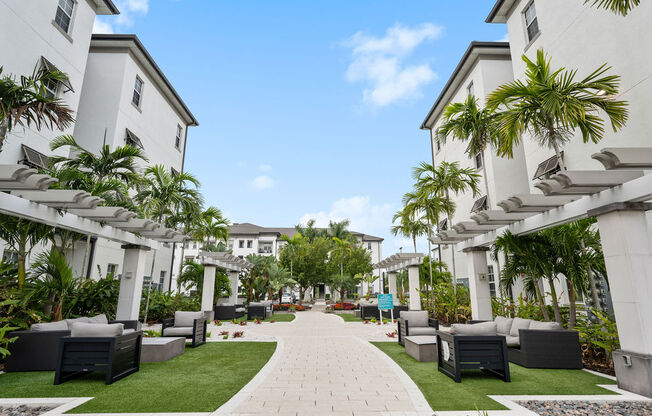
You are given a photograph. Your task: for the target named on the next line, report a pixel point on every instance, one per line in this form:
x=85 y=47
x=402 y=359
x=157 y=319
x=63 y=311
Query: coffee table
x=157 y=349
x=421 y=347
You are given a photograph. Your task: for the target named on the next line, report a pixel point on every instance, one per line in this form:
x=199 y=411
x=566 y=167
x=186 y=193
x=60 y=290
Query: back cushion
x=503 y=325
x=50 y=326
x=98 y=319
x=82 y=329
x=483 y=328
x=257 y=304
x=519 y=324
x=415 y=318
x=72 y=321
x=182 y=318
x=545 y=325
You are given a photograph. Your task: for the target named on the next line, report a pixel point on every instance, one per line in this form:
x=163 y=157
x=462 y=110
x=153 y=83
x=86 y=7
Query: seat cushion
x=483 y=328
x=519 y=323
x=550 y=326
x=513 y=342
x=50 y=326
x=239 y=309
x=503 y=325
x=177 y=331
x=98 y=319
x=182 y=319
x=415 y=318
x=84 y=329
x=420 y=330
x=83 y=319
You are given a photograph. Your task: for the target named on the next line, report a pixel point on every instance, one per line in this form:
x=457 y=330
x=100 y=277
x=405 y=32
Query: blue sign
x=385 y=302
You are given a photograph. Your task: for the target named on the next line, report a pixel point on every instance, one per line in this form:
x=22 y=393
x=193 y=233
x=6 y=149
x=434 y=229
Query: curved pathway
x=324 y=366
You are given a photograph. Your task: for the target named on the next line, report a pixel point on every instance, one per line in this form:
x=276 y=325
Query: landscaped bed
x=199 y=380
x=443 y=393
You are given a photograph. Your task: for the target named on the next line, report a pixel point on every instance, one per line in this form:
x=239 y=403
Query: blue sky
x=307 y=108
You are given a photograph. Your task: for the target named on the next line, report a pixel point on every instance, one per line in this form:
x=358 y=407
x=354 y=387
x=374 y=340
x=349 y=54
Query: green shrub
x=162 y=305
x=448 y=305
x=95 y=297
x=600 y=334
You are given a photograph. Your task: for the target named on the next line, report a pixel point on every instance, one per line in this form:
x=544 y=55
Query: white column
x=479 y=283
x=233 y=277
x=391 y=276
x=131 y=284
x=208 y=290
x=628 y=259
x=413 y=283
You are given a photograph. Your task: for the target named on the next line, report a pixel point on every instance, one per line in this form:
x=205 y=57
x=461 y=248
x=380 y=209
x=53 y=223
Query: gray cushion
x=181 y=332
x=257 y=304
x=483 y=328
x=239 y=309
x=551 y=326
x=50 y=326
x=420 y=330
x=512 y=341
x=503 y=325
x=182 y=318
x=83 y=329
x=415 y=318
x=519 y=324
x=98 y=319
x=83 y=319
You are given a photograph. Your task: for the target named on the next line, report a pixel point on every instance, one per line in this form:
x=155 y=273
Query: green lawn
x=349 y=317
x=199 y=380
x=443 y=393
x=278 y=317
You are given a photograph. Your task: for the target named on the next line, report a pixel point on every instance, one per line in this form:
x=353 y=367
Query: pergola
x=25 y=193
x=398 y=262
x=617 y=197
x=233 y=265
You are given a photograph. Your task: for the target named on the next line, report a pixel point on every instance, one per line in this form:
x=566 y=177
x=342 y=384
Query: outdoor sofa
x=224 y=312
x=535 y=344
x=98 y=347
x=411 y=323
x=36 y=349
x=261 y=310
x=191 y=325
x=371 y=311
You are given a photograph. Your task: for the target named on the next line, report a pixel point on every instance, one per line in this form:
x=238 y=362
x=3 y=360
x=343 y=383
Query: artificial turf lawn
x=278 y=317
x=199 y=380
x=349 y=317
x=443 y=393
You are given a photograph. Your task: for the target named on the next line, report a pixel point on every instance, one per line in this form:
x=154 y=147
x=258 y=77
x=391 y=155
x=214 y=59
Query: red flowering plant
x=289 y=307
x=344 y=306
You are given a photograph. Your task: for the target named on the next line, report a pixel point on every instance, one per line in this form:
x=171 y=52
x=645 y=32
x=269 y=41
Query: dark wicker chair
x=117 y=356
x=464 y=352
x=369 y=311
x=260 y=310
x=196 y=333
x=547 y=349
x=404 y=328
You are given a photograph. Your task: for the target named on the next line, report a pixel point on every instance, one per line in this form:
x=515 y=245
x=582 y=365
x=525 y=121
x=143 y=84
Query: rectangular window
x=265 y=248
x=111 y=269
x=492 y=280
x=63 y=18
x=368 y=246
x=241 y=244
x=531 y=22
x=250 y=243
x=230 y=244
x=438 y=144
x=177 y=140
x=478 y=161
x=162 y=278
x=470 y=90
x=138 y=92
x=194 y=244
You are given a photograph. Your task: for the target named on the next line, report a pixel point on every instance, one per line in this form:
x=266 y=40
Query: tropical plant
x=600 y=333
x=551 y=105
x=211 y=225
x=451 y=305
x=343 y=283
x=192 y=276
x=369 y=279
x=256 y=279
x=309 y=231
x=53 y=277
x=621 y=7
x=339 y=229
x=291 y=248
x=5 y=328
x=406 y=225
x=162 y=305
x=94 y=297
x=279 y=279
x=27 y=102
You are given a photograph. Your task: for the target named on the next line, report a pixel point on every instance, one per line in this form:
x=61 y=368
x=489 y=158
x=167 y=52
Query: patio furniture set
x=74 y=347
x=370 y=310
x=489 y=345
x=224 y=311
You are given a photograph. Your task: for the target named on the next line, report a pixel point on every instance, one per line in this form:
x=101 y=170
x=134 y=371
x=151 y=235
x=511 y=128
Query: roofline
x=134 y=39
x=494 y=11
x=474 y=45
x=111 y=6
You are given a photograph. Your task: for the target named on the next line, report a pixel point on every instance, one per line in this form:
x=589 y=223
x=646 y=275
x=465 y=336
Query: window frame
x=477 y=161
x=71 y=16
x=250 y=243
x=530 y=38
x=491 y=278
x=177 y=139
x=241 y=243
x=139 y=104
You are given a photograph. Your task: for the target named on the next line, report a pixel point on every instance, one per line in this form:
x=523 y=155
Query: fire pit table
x=157 y=349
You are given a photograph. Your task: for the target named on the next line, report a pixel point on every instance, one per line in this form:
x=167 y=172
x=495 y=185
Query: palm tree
x=339 y=229
x=161 y=195
x=211 y=225
x=551 y=105
x=408 y=226
x=27 y=102
x=369 y=279
x=279 y=279
x=309 y=231
x=469 y=123
x=54 y=278
x=343 y=283
x=258 y=275
x=621 y=7
x=292 y=245
x=343 y=247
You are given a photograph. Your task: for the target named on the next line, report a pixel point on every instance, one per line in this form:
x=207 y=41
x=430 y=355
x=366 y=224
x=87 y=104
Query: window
x=111 y=269
x=265 y=248
x=241 y=244
x=194 y=245
x=10 y=256
x=478 y=160
x=132 y=140
x=230 y=244
x=138 y=92
x=177 y=140
x=52 y=87
x=492 y=280
x=162 y=278
x=63 y=18
x=34 y=159
x=470 y=90
x=531 y=22
x=250 y=243
x=368 y=246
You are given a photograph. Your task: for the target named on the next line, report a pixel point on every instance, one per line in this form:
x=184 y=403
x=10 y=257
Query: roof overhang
x=225 y=260
x=105 y=7
x=475 y=52
x=501 y=11
x=400 y=261
x=131 y=43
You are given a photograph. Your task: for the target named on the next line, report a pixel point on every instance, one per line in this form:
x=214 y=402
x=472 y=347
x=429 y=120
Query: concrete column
x=233 y=277
x=628 y=259
x=391 y=276
x=476 y=261
x=131 y=284
x=208 y=290
x=413 y=283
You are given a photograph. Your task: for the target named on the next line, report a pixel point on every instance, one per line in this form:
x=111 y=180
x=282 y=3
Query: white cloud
x=505 y=38
x=262 y=182
x=264 y=167
x=129 y=10
x=381 y=63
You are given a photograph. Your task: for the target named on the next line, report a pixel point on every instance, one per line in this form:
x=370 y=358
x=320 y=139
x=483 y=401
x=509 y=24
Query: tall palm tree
x=26 y=102
x=551 y=105
x=161 y=195
x=469 y=123
x=54 y=278
x=292 y=246
x=339 y=229
x=408 y=226
x=211 y=225
x=279 y=279
x=621 y=7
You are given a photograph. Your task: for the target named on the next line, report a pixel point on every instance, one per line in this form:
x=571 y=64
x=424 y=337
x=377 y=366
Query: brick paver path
x=325 y=368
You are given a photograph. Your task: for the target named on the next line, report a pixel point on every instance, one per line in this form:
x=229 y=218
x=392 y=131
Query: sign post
x=385 y=302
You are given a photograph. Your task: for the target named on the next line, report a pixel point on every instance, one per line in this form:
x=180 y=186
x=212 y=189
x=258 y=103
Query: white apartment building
x=484 y=66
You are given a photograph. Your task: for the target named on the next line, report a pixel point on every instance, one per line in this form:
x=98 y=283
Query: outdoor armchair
x=191 y=325
x=413 y=323
x=259 y=310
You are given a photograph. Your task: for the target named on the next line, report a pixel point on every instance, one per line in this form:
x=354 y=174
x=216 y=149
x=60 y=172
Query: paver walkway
x=325 y=368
